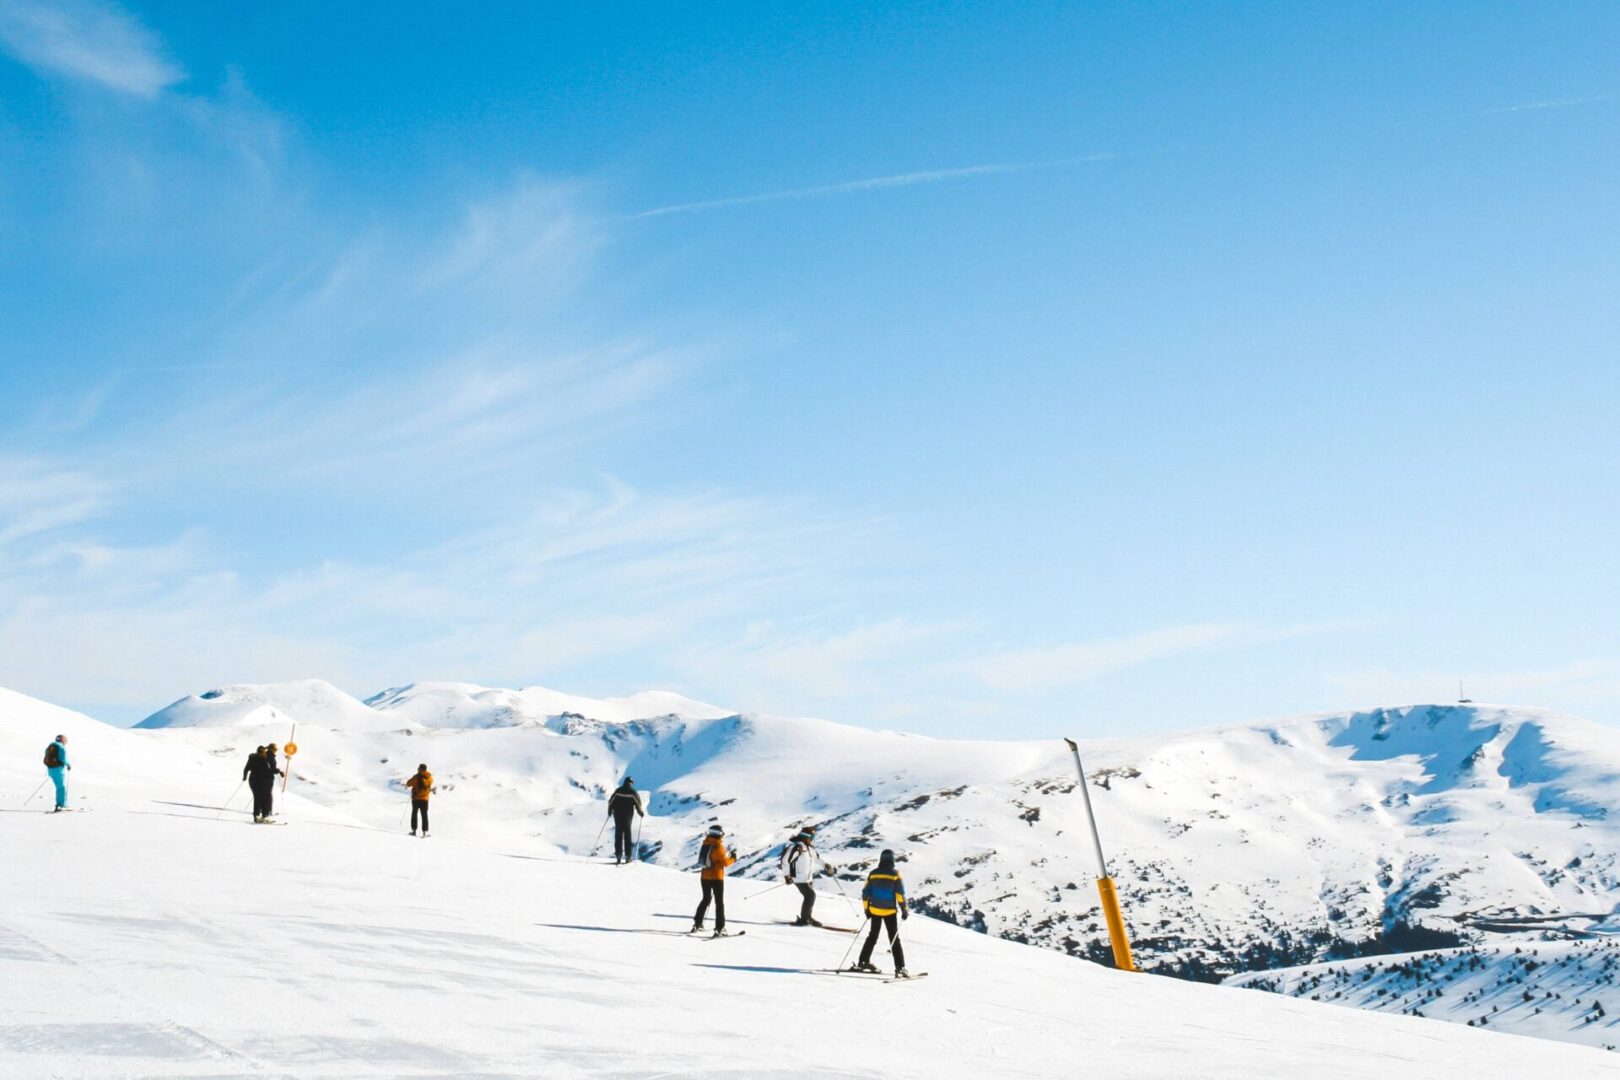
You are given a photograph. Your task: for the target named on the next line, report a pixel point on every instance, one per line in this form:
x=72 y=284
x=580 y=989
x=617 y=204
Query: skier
x=800 y=863
x=713 y=858
x=56 y=763
x=421 y=786
x=260 y=774
x=884 y=895
x=270 y=782
x=622 y=808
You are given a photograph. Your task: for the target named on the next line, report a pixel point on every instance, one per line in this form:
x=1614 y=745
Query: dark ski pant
x=892 y=923
x=419 y=807
x=621 y=839
x=809 y=895
x=263 y=798
x=715 y=890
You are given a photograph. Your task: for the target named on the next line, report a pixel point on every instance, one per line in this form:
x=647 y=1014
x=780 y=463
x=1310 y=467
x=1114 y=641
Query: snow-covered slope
x=1559 y=990
x=156 y=937
x=1236 y=849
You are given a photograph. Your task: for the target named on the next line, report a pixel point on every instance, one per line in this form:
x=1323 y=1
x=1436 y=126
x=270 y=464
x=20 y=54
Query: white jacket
x=801 y=862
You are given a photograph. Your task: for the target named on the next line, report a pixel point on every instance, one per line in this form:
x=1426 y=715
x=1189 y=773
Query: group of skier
x=883 y=896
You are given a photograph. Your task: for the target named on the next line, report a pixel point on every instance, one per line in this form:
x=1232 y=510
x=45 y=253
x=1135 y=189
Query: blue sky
x=1081 y=368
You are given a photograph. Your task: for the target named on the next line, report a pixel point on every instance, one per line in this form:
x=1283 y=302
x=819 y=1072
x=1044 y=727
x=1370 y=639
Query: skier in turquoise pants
x=56 y=763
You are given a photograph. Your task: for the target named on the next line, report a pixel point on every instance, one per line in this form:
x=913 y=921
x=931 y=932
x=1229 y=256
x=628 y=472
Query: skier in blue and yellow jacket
x=885 y=898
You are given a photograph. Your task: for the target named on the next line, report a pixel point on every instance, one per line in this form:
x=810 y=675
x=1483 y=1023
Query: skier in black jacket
x=260 y=773
x=623 y=807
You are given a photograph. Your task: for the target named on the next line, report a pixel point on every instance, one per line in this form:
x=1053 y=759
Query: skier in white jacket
x=800 y=863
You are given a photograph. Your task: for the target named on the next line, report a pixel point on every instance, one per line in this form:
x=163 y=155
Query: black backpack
x=53 y=756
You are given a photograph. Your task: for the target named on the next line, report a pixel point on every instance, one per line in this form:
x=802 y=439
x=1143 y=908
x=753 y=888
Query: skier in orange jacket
x=713 y=858
x=421 y=786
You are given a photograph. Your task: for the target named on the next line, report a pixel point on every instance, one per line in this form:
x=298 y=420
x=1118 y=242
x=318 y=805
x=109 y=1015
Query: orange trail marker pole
x=290 y=749
x=1105 y=884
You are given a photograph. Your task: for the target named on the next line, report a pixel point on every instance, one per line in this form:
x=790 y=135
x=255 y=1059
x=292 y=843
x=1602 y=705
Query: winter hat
x=422 y=767
x=715 y=830
x=61 y=738
x=886 y=862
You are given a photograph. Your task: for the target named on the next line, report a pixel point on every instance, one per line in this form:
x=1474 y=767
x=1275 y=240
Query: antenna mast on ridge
x=1462 y=698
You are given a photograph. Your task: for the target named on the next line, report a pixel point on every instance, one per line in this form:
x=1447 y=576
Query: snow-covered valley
x=1236 y=849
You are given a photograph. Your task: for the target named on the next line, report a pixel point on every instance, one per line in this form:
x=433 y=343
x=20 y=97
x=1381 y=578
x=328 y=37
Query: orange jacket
x=421 y=785
x=714 y=858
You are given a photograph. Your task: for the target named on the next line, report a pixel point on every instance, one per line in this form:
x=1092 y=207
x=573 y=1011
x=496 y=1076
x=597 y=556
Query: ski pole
x=762 y=892
x=598 y=845
x=640 y=821
x=228 y=802
x=852 y=942
x=37 y=790
x=895 y=944
x=844 y=894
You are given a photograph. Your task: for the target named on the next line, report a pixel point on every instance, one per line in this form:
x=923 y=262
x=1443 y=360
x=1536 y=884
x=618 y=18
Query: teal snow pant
x=59 y=778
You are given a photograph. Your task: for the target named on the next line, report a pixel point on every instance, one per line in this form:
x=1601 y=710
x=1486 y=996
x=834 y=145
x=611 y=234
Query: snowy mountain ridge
x=1236 y=849
x=426 y=704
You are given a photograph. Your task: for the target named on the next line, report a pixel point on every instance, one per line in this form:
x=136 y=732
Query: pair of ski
x=819 y=926
x=706 y=935
x=878 y=976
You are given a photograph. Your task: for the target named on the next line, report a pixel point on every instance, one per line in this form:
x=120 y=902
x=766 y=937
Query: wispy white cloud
x=873 y=183
x=1552 y=103
x=87 y=40
x=775 y=665
x=37 y=496
x=1047 y=667
x=585 y=576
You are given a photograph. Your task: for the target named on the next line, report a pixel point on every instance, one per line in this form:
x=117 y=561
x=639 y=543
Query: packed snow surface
x=159 y=936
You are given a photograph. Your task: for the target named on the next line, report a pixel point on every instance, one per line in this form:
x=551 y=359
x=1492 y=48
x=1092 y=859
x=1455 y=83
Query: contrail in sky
x=1551 y=103
x=873 y=183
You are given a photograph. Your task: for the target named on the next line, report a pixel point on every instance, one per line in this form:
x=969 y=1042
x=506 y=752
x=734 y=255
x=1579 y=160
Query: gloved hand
x=788 y=880
x=904 y=914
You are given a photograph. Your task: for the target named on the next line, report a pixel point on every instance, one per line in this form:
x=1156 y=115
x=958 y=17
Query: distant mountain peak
x=318 y=703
